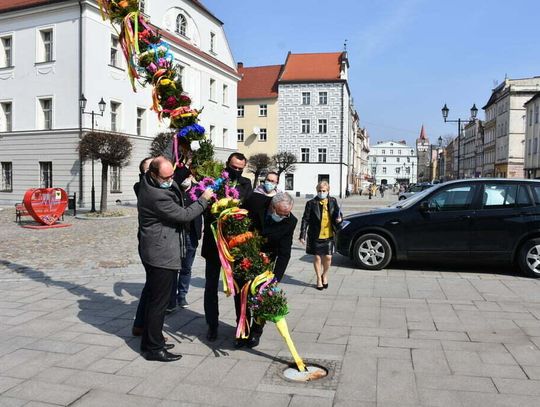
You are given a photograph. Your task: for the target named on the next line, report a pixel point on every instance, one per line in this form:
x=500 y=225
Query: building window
x=115 y=116
x=397 y=170
x=306 y=98
x=46 y=49
x=384 y=170
x=6 y=119
x=240 y=111
x=383 y=152
x=263 y=110
x=225 y=137
x=140 y=121
x=535 y=145
x=7 y=177
x=323 y=125
x=412 y=152
x=45 y=174
x=305 y=126
x=116 y=185
x=322 y=155
x=240 y=135
x=530 y=116
x=142 y=6
x=536 y=113
x=391 y=152
x=212 y=42
x=212 y=89
x=115 y=61
x=225 y=95
x=397 y=159
x=212 y=133
x=6 y=52
x=323 y=177
x=181 y=25
x=408 y=159
x=384 y=159
x=46 y=113
x=323 y=98
x=262 y=135
x=289 y=182
x=399 y=152
x=304 y=155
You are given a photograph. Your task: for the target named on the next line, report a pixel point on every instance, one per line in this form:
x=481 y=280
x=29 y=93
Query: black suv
x=488 y=220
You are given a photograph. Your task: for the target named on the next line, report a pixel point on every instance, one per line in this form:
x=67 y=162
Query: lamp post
x=474 y=112
x=82 y=106
x=439 y=156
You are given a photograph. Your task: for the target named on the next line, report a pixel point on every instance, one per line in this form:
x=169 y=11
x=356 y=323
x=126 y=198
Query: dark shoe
x=162 y=356
x=319 y=288
x=253 y=341
x=325 y=285
x=239 y=343
x=137 y=330
x=183 y=303
x=170 y=310
x=167 y=346
x=211 y=335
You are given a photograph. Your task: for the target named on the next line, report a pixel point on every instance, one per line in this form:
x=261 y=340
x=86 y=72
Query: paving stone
x=515 y=386
x=245 y=374
x=431 y=361
x=7 y=383
x=46 y=392
x=469 y=363
x=410 y=343
x=526 y=353
x=441 y=335
x=454 y=382
x=473 y=399
x=12 y=402
x=102 y=398
x=164 y=380
x=438 y=398
x=85 y=357
x=396 y=387
x=308 y=401
x=104 y=381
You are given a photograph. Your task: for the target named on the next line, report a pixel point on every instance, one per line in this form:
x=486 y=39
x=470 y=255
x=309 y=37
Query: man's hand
x=207 y=194
x=303 y=241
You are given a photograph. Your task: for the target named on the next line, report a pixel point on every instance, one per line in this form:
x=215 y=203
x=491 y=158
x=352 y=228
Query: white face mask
x=186 y=183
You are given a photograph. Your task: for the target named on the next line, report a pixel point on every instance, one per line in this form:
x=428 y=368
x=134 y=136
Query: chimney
x=240 y=65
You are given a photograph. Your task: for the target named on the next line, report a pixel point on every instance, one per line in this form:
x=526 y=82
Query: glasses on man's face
x=273 y=181
x=166 y=178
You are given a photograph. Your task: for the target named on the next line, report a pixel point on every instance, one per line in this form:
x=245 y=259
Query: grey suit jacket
x=161 y=216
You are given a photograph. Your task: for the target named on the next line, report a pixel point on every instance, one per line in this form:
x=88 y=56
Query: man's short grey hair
x=282 y=197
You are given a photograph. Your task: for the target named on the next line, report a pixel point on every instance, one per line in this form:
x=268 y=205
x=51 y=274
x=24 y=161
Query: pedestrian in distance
x=322 y=218
x=381 y=190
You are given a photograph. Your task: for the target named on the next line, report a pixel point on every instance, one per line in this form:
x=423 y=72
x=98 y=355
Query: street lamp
x=474 y=112
x=82 y=106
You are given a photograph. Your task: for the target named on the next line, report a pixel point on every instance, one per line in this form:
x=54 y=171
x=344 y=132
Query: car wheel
x=529 y=258
x=372 y=252
x=401 y=198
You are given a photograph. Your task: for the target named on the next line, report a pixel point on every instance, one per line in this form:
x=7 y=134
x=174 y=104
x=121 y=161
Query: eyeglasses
x=272 y=181
x=166 y=178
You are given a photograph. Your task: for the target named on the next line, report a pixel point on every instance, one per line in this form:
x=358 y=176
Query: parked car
x=413 y=189
x=486 y=220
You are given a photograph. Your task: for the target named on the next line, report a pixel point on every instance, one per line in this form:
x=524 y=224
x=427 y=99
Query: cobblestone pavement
x=404 y=336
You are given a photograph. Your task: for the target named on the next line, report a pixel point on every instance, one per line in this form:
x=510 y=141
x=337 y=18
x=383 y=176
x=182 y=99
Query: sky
x=407 y=57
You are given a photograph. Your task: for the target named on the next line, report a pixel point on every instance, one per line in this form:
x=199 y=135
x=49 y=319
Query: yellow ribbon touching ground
x=283 y=329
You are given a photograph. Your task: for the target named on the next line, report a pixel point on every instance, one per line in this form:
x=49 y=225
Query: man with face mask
x=272 y=218
x=269 y=187
x=160 y=247
x=234 y=166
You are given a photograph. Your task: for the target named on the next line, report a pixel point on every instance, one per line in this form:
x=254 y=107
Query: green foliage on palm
x=203 y=154
x=210 y=168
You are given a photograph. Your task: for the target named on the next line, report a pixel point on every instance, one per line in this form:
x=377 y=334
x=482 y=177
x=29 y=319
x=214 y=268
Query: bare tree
x=257 y=164
x=112 y=149
x=284 y=162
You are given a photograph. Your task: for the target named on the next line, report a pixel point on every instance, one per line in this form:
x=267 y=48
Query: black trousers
x=211 y=284
x=159 y=283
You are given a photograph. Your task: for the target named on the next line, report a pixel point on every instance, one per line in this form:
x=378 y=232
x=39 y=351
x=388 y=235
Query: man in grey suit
x=161 y=245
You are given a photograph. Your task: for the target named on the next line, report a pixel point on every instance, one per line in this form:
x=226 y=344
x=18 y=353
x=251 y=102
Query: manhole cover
x=310 y=374
x=275 y=375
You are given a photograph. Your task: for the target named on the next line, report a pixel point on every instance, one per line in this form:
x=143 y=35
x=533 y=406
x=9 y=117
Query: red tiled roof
x=312 y=67
x=10 y=5
x=258 y=82
x=423 y=133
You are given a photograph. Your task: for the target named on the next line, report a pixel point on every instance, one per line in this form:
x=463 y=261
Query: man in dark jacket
x=160 y=248
x=234 y=166
x=273 y=219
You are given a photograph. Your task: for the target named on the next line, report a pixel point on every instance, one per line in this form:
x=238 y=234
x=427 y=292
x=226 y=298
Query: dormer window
x=181 y=25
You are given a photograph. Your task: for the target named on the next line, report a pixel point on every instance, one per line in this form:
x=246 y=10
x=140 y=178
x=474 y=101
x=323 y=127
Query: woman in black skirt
x=320 y=222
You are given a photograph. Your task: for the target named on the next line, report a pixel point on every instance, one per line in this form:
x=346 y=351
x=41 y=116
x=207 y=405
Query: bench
x=21 y=211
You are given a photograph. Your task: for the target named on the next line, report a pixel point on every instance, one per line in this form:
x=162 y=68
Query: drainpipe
x=81 y=187
x=341 y=146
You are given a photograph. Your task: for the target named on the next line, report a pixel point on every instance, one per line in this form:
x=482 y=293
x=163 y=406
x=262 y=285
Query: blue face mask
x=322 y=195
x=166 y=184
x=276 y=217
x=269 y=186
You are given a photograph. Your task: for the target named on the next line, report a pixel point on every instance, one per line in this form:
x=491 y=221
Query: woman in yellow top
x=321 y=219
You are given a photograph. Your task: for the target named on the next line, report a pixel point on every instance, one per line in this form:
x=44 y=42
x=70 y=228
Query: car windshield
x=407 y=203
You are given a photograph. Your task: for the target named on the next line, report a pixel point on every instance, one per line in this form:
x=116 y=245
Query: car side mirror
x=424 y=206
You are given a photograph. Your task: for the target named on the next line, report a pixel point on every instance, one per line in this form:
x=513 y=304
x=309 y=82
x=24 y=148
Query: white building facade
x=54 y=53
x=313 y=124
x=393 y=161
x=532 y=137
